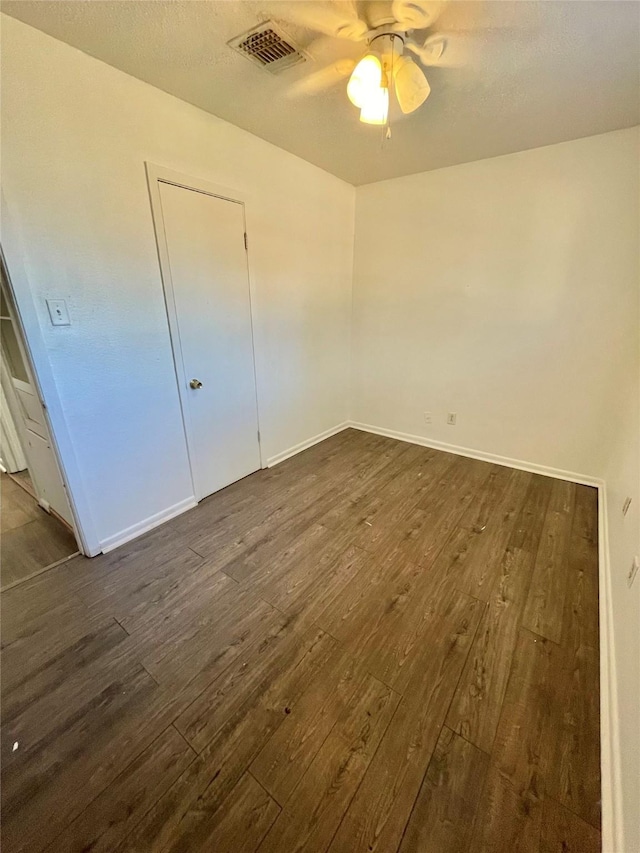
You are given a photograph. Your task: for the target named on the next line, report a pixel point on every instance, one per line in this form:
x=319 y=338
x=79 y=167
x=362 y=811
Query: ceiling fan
x=388 y=69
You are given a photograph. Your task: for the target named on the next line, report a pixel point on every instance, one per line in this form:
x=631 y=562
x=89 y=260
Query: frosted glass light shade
x=375 y=109
x=366 y=77
x=412 y=87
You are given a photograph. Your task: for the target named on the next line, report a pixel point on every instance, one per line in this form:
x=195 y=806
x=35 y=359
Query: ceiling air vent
x=268 y=47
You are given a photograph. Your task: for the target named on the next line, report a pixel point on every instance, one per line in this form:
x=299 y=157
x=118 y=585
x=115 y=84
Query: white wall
x=506 y=290
x=75 y=135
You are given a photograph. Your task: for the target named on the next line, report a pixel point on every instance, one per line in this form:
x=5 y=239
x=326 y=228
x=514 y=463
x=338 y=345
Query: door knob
x=195 y=384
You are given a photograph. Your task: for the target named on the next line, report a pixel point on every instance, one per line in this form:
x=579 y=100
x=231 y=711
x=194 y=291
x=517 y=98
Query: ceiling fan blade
x=412 y=87
x=416 y=14
x=323 y=79
x=431 y=51
x=474 y=50
x=339 y=20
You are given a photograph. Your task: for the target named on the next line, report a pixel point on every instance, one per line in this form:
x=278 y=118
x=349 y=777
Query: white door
x=29 y=417
x=205 y=246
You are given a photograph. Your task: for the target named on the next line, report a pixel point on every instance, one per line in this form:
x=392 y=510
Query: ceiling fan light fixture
x=412 y=87
x=365 y=80
x=375 y=109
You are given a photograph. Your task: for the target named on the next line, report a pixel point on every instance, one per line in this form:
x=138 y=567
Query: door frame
x=160 y=174
x=37 y=361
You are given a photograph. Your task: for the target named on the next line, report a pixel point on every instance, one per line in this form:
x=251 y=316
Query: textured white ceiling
x=518 y=74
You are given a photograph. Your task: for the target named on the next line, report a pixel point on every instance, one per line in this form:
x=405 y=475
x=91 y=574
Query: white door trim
x=44 y=384
x=159 y=174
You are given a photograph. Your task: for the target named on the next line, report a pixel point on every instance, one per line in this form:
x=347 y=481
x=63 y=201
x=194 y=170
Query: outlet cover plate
x=58 y=312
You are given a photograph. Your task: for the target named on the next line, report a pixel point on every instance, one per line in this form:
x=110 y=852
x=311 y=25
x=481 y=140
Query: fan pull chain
x=387 y=134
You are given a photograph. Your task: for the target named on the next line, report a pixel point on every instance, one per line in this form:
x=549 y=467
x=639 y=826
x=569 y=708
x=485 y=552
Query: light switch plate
x=58 y=312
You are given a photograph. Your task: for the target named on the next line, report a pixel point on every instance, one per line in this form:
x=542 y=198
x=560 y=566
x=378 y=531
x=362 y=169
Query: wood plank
x=573 y=765
x=38 y=682
x=287 y=580
x=249 y=813
x=46 y=778
x=580 y=626
x=370 y=518
x=145 y=557
x=443 y=814
x=379 y=811
x=573 y=775
x=274 y=535
x=248 y=678
x=63 y=627
x=483 y=534
x=310 y=818
x=118 y=809
x=506 y=821
x=286 y=510
x=36 y=602
x=302 y=588
x=388 y=615
x=33 y=546
x=185 y=816
x=475 y=710
x=137 y=600
x=564 y=832
x=423 y=532
x=23 y=479
x=522 y=740
x=545 y=605
x=288 y=753
x=207 y=639
x=18 y=507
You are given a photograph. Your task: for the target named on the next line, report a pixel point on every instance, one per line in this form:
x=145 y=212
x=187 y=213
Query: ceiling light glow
x=366 y=78
x=375 y=108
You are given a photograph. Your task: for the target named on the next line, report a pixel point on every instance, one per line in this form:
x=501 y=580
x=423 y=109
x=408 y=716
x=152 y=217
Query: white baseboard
x=612 y=822
x=298 y=448
x=532 y=467
x=610 y=765
x=147 y=524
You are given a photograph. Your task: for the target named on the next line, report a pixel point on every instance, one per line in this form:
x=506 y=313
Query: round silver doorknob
x=195 y=383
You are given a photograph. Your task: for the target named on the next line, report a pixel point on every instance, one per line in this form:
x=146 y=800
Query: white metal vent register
x=268 y=47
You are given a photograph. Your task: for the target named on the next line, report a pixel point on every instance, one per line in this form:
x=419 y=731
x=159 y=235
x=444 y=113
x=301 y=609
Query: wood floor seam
x=182 y=737
x=571 y=811
x=267 y=792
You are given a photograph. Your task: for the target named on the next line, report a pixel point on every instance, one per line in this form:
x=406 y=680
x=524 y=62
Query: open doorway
x=36 y=519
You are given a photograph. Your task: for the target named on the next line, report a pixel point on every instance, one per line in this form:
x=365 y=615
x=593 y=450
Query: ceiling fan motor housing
x=389 y=47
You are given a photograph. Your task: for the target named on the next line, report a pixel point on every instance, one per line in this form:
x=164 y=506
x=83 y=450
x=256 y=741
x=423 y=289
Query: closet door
x=209 y=284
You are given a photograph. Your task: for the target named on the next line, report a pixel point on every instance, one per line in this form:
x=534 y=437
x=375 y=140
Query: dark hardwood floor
x=371 y=647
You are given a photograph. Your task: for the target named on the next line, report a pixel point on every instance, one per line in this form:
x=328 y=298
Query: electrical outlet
x=427 y=417
x=451 y=418
x=633 y=571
